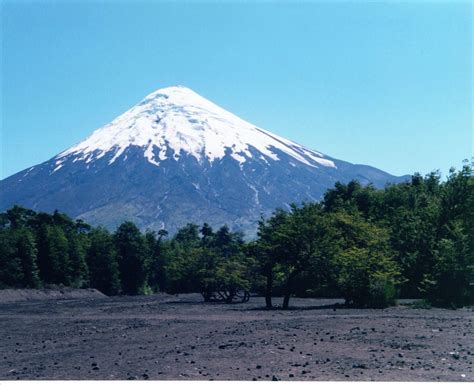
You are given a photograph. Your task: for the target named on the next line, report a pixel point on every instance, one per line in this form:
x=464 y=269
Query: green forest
x=369 y=246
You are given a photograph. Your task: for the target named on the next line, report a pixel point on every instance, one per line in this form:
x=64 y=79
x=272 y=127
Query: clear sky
x=386 y=84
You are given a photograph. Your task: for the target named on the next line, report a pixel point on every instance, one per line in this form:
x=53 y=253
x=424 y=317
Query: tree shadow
x=334 y=306
x=185 y=302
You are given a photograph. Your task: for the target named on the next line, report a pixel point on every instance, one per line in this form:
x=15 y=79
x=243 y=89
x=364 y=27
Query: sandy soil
x=179 y=337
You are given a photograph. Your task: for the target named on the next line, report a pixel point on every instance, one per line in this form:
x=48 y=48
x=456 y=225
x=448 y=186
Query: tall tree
x=367 y=274
x=26 y=252
x=79 y=271
x=304 y=246
x=102 y=261
x=182 y=266
x=19 y=216
x=268 y=249
x=11 y=273
x=156 y=250
x=53 y=255
x=131 y=250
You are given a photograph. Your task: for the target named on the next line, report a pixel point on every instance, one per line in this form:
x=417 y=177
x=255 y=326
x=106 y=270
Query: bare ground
x=16 y=295
x=166 y=337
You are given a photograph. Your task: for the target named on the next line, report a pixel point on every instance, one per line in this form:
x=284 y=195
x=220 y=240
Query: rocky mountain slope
x=176 y=158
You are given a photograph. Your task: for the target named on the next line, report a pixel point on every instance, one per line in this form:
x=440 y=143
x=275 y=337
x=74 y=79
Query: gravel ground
x=165 y=337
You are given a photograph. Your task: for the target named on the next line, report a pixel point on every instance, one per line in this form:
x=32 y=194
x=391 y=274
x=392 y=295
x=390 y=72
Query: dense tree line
x=414 y=239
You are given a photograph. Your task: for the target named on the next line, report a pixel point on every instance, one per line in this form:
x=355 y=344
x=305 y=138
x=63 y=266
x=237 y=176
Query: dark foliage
x=102 y=262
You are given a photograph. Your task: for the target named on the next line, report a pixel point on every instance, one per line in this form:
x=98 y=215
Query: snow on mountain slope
x=180 y=119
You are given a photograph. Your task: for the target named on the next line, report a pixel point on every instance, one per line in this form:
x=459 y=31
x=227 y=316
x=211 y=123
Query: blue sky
x=386 y=84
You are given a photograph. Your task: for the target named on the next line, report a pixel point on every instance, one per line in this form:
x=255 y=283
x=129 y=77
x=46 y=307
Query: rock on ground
x=167 y=337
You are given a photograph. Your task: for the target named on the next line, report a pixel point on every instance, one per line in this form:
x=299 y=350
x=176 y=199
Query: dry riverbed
x=166 y=337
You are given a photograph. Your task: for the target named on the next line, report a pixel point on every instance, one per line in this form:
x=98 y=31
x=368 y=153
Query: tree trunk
x=207 y=296
x=268 y=291
x=287 y=289
x=230 y=296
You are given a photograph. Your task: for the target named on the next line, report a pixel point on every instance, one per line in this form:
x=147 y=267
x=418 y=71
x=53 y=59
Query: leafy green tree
x=409 y=211
x=207 y=234
x=206 y=277
x=181 y=260
x=232 y=275
x=224 y=268
x=18 y=259
x=411 y=214
x=188 y=234
x=19 y=217
x=213 y=264
x=11 y=273
x=368 y=276
x=157 y=251
x=79 y=271
x=268 y=250
x=26 y=252
x=150 y=243
x=102 y=262
x=296 y=244
x=182 y=265
x=132 y=258
x=53 y=255
x=449 y=281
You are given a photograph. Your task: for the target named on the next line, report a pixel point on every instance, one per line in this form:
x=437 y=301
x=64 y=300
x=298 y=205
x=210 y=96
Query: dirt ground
x=166 y=337
x=16 y=295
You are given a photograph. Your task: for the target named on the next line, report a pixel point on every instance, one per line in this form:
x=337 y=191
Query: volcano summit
x=176 y=158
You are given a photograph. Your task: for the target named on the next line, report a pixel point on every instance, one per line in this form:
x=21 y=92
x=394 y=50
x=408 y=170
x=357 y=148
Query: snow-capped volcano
x=175 y=158
x=179 y=119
